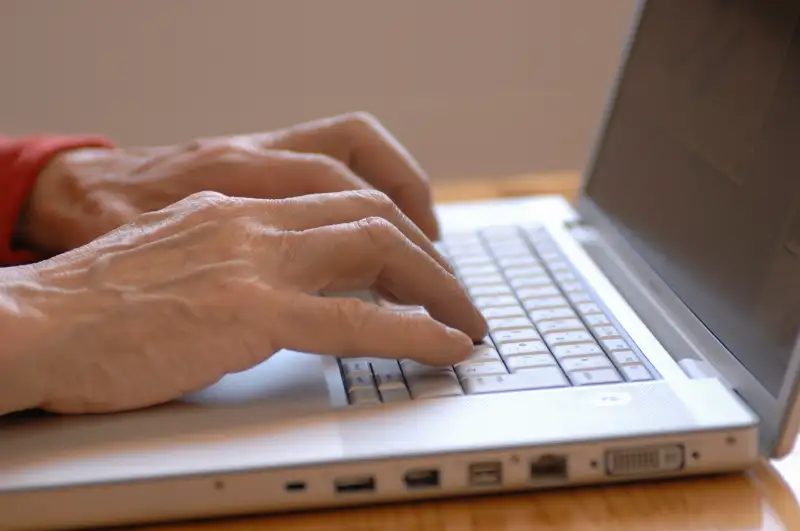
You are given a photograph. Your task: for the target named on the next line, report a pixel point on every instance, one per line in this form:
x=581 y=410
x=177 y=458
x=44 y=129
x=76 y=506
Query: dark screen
x=699 y=167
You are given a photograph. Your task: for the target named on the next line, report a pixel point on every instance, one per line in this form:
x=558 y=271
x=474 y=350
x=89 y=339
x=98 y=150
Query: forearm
x=21 y=331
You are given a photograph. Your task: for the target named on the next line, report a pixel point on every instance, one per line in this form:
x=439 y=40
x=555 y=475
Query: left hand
x=85 y=193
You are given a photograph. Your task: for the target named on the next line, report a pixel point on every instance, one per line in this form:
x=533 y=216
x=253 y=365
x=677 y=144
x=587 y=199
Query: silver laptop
x=650 y=332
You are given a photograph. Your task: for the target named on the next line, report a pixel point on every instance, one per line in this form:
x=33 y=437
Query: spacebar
x=538 y=378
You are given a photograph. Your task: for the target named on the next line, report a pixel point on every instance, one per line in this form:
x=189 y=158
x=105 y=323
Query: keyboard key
x=473 y=260
x=593 y=377
x=479 y=270
x=565 y=277
x=560 y=325
x=472 y=281
x=527 y=361
x=579 y=296
x=359 y=380
x=460 y=251
x=389 y=378
x=364 y=395
x=395 y=394
x=539 y=378
x=509 y=249
x=490 y=290
x=497 y=300
x=482 y=354
x=515 y=336
x=625 y=357
x=538 y=292
x=523 y=271
x=578 y=349
x=615 y=344
x=542 y=304
x=497 y=325
x=570 y=287
x=558 y=265
x=564 y=338
x=636 y=373
x=587 y=308
x=414 y=367
x=481 y=369
x=355 y=366
x=503 y=312
x=524 y=347
x=598 y=361
x=605 y=332
x=531 y=282
x=526 y=260
x=549 y=254
x=597 y=319
x=539 y=316
x=434 y=385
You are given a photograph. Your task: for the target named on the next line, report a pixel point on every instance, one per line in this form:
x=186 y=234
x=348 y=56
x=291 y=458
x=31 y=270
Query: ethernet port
x=548 y=468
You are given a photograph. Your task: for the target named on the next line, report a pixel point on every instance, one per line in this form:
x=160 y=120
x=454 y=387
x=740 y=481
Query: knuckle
x=289 y=245
x=242 y=234
x=324 y=164
x=351 y=315
x=380 y=231
x=209 y=204
x=361 y=120
x=377 y=200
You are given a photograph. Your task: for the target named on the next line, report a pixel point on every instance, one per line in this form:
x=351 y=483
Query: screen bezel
x=780 y=417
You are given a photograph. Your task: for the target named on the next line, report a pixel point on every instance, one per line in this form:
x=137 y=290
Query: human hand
x=86 y=193
x=212 y=285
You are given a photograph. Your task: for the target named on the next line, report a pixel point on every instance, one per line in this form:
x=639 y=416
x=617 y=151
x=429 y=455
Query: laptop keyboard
x=546 y=329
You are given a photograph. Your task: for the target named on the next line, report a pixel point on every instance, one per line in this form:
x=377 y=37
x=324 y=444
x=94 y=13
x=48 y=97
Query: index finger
x=371 y=152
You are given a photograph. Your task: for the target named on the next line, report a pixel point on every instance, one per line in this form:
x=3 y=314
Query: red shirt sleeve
x=21 y=160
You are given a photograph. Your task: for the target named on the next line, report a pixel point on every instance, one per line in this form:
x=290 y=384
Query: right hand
x=213 y=285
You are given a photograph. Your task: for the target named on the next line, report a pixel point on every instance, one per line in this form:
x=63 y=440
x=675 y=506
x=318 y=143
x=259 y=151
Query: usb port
x=549 y=467
x=485 y=474
x=421 y=478
x=354 y=484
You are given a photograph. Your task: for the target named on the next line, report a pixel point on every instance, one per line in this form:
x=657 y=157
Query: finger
x=241 y=168
x=370 y=151
x=319 y=210
x=373 y=252
x=350 y=327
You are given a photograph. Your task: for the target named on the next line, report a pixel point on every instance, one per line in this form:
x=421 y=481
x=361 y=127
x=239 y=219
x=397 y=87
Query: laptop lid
x=695 y=182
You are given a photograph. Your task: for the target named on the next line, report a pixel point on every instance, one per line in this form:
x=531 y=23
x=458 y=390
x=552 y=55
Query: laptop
x=650 y=331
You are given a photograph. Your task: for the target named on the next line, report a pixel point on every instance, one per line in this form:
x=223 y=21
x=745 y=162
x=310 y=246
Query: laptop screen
x=699 y=167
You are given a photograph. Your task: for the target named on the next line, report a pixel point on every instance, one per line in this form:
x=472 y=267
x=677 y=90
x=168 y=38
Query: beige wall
x=473 y=87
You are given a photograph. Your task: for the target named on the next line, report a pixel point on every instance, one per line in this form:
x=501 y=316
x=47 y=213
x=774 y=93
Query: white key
x=481 y=369
x=565 y=277
x=531 y=282
x=598 y=361
x=395 y=394
x=389 y=378
x=615 y=344
x=493 y=301
x=538 y=292
x=527 y=361
x=560 y=325
x=636 y=373
x=478 y=270
x=578 y=349
x=523 y=347
x=597 y=319
x=414 y=367
x=364 y=395
x=473 y=260
x=502 y=312
x=579 y=296
x=434 y=385
x=570 y=287
x=359 y=380
x=565 y=338
x=472 y=281
x=515 y=336
x=541 y=304
x=490 y=290
x=549 y=254
x=522 y=260
x=497 y=325
x=586 y=308
x=593 y=377
x=538 y=378
x=459 y=251
x=558 y=265
x=482 y=354
x=625 y=357
x=539 y=316
x=523 y=271
x=605 y=332
x=509 y=250
x=355 y=366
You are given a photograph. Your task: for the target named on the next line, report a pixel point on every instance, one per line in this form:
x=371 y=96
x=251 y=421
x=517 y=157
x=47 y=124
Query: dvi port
x=644 y=460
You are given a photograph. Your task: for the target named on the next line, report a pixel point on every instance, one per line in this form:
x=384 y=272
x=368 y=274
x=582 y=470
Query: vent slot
x=644 y=460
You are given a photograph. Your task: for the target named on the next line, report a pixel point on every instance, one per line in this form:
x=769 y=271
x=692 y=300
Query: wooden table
x=762 y=499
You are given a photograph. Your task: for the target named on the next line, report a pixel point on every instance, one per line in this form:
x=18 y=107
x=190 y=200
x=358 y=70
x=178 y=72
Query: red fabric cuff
x=21 y=161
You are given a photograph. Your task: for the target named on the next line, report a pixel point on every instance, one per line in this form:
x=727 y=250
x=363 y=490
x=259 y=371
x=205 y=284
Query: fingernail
x=461 y=344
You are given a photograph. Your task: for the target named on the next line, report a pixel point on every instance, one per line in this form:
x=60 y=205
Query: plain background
x=472 y=87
